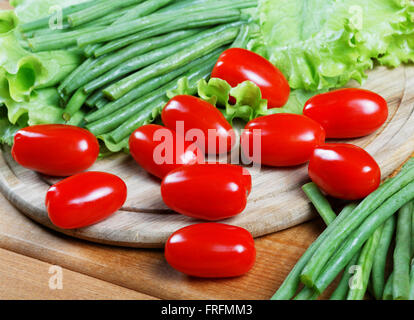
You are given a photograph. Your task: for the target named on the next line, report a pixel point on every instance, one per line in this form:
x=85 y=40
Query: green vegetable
x=380 y=259
x=29 y=11
x=306 y=294
x=25 y=71
x=223 y=9
x=323 y=44
x=288 y=288
x=60 y=40
x=149 y=59
x=402 y=253
x=341 y=291
x=151 y=85
x=151 y=110
x=342 y=231
x=118 y=58
x=169 y=64
x=365 y=262
x=319 y=201
x=74 y=104
x=356 y=240
x=98 y=10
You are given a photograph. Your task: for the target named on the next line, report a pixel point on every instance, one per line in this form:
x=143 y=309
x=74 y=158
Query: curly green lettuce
x=321 y=44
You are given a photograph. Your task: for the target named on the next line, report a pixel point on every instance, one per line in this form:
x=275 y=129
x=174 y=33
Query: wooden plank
x=146 y=271
x=26 y=278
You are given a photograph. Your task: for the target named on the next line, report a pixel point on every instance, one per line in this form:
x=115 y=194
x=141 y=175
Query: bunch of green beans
x=362 y=255
x=135 y=51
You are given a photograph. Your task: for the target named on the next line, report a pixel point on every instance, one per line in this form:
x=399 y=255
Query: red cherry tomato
x=238 y=65
x=211 y=250
x=348 y=113
x=206 y=191
x=283 y=139
x=85 y=199
x=56 y=150
x=216 y=135
x=344 y=171
x=168 y=153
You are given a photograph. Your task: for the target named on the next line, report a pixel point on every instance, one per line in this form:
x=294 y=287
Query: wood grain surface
x=35 y=248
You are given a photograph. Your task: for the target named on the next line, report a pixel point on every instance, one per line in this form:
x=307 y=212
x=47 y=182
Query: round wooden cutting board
x=276 y=202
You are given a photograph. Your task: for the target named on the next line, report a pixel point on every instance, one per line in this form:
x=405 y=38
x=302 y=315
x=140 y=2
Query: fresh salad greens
x=111 y=66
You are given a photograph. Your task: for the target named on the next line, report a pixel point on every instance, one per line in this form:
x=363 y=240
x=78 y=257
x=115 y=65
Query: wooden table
x=30 y=253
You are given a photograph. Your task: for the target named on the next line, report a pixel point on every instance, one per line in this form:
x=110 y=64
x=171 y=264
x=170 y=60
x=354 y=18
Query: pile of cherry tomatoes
x=212 y=191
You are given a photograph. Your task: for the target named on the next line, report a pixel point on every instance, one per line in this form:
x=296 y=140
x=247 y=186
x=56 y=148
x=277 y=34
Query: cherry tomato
x=214 y=135
x=169 y=152
x=211 y=250
x=85 y=199
x=206 y=191
x=283 y=140
x=56 y=150
x=344 y=171
x=348 y=113
x=238 y=65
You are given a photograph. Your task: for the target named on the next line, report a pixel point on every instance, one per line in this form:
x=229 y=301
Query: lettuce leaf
x=320 y=44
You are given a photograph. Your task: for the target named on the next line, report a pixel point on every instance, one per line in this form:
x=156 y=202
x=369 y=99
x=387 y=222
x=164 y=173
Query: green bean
x=136 y=12
x=144 y=9
x=402 y=254
x=183 y=4
x=243 y=37
x=150 y=58
x=144 y=60
x=115 y=119
x=170 y=63
x=365 y=262
x=44 y=22
x=137 y=49
x=60 y=40
x=75 y=73
x=151 y=85
x=351 y=223
x=91 y=101
x=189 y=15
x=342 y=289
x=137 y=120
x=380 y=259
x=101 y=103
x=97 y=11
x=171 y=26
x=411 y=297
x=358 y=237
x=75 y=104
x=328 y=216
x=288 y=288
x=319 y=201
x=306 y=294
x=387 y=294
x=77 y=119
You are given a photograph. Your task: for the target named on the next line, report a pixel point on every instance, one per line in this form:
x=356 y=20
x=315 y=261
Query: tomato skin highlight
x=206 y=191
x=199 y=114
x=348 y=113
x=237 y=65
x=143 y=148
x=85 y=199
x=211 y=250
x=344 y=171
x=286 y=139
x=55 y=150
